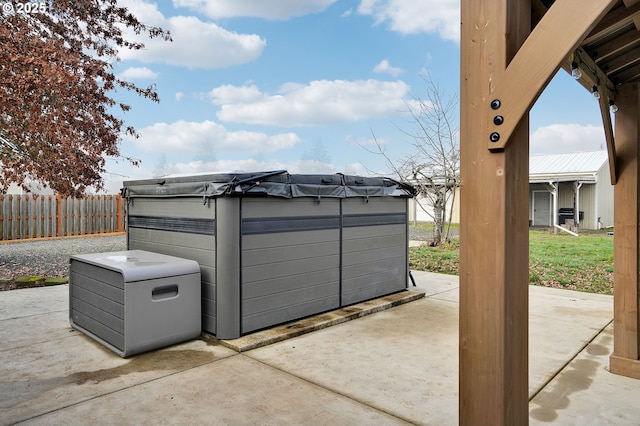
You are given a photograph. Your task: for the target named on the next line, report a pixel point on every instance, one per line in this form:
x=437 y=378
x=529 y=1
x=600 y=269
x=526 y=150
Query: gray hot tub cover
x=277 y=183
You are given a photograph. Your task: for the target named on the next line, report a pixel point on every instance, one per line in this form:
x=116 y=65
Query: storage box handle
x=164 y=292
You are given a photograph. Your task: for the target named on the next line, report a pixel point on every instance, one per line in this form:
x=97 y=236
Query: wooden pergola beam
x=536 y=62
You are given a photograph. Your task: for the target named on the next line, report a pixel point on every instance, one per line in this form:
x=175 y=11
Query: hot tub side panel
x=290 y=264
x=181 y=227
x=375 y=248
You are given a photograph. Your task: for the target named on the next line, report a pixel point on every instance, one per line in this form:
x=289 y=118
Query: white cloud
x=248 y=165
x=319 y=102
x=567 y=138
x=271 y=9
x=179 y=96
x=411 y=16
x=356 y=169
x=196 y=44
x=384 y=66
x=207 y=137
x=311 y=167
x=229 y=94
x=347 y=13
x=221 y=166
x=138 y=73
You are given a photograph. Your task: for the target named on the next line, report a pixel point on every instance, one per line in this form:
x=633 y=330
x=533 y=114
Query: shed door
x=541 y=208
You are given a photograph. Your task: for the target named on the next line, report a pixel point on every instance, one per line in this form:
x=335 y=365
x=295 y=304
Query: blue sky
x=251 y=85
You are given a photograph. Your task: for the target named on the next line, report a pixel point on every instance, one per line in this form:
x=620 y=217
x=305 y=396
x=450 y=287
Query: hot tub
x=272 y=246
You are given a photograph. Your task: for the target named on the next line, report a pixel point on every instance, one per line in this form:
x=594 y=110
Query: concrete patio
x=396 y=366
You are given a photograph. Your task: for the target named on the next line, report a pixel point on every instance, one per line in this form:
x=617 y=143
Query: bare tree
x=434 y=165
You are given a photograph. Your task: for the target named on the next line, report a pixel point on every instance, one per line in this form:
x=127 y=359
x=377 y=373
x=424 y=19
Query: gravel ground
x=420 y=234
x=50 y=258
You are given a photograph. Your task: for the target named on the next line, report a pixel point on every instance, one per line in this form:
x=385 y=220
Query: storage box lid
x=138 y=265
x=277 y=183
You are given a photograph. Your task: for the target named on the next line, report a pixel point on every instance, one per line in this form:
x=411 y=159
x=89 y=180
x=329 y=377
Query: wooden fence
x=42 y=216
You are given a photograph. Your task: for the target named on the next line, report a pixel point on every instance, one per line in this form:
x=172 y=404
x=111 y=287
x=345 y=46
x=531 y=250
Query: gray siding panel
x=174 y=224
x=374 y=205
x=266 y=256
x=294 y=296
x=288 y=313
x=291 y=252
x=359 y=240
x=106 y=276
x=200 y=248
x=80 y=292
x=291 y=268
x=296 y=207
x=289 y=239
x=288 y=224
x=100 y=330
x=374 y=258
x=282 y=285
x=368 y=280
x=105 y=318
x=101 y=288
x=173 y=207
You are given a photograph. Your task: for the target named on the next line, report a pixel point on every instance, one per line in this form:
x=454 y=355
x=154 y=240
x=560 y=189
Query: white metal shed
x=576 y=186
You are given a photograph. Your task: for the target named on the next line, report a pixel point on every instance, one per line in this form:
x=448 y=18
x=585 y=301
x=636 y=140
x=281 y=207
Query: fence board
x=38 y=216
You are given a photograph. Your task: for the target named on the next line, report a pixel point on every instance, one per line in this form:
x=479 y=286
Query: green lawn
x=584 y=263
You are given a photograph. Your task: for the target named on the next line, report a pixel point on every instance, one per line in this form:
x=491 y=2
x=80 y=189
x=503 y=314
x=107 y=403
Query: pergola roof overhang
x=610 y=54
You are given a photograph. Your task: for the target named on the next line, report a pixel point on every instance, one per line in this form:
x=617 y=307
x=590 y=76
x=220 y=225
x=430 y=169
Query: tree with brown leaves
x=57 y=112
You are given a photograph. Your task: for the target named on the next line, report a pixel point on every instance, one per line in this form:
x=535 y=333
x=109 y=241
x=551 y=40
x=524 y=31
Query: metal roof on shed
x=575 y=166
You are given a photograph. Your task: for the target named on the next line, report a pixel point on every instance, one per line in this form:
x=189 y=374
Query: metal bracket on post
x=498 y=120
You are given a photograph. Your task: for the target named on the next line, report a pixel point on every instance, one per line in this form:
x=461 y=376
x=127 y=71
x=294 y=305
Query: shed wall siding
x=419 y=204
x=588 y=206
x=605 y=196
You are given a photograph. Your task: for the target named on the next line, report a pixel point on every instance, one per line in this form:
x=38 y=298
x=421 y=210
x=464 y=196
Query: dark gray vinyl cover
x=277 y=183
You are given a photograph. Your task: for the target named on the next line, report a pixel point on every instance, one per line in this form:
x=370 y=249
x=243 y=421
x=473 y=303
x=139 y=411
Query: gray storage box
x=134 y=301
x=275 y=247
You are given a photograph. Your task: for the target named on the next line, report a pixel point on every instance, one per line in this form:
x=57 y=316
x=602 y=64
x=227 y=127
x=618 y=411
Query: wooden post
x=59 y=216
x=119 y=213
x=494 y=225
x=624 y=359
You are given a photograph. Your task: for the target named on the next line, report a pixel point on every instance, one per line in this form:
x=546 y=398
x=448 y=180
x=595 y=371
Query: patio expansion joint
x=115 y=391
x=70 y=336
x=566 y=364
x=331 y=390
x=33 y=315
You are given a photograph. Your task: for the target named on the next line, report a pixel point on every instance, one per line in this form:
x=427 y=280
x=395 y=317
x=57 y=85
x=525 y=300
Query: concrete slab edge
x=320 y=321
